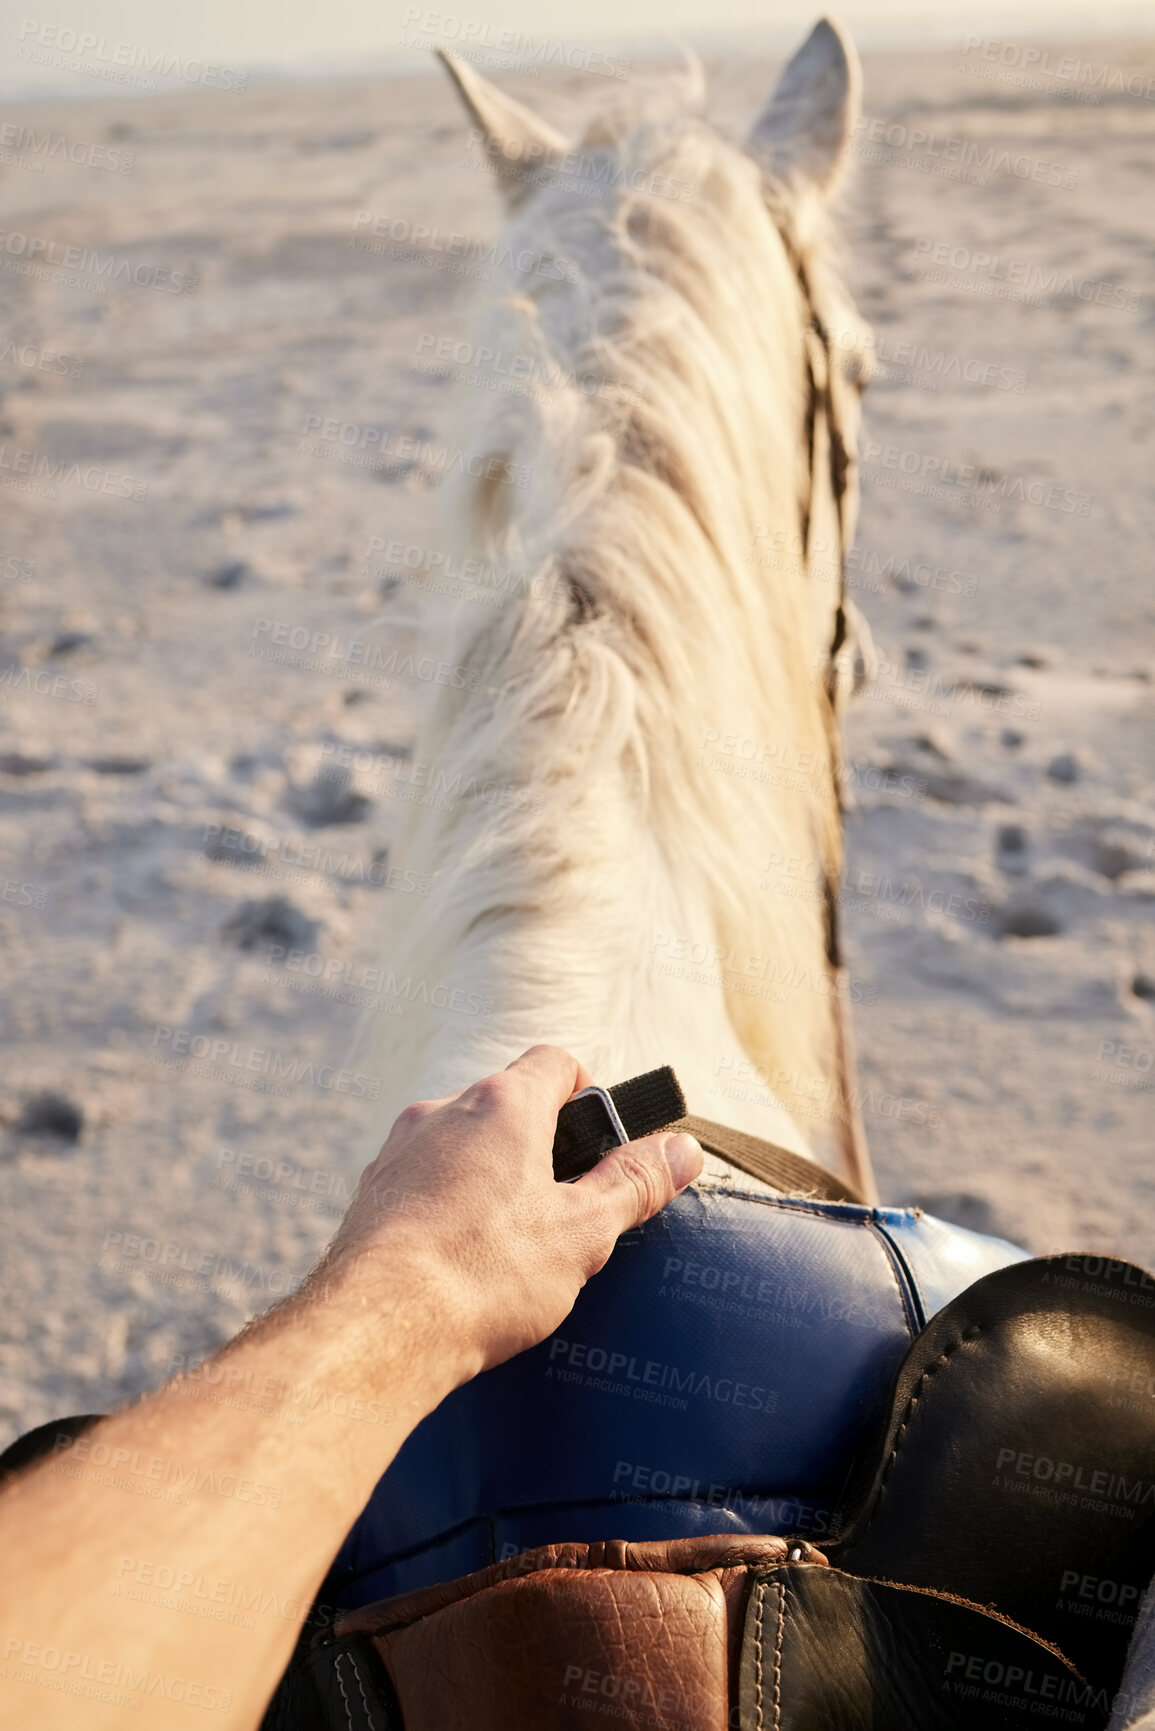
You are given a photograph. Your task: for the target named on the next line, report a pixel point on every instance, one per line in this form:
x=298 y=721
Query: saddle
x=720 y=1374
x=792 y=1461
x=999 y=1540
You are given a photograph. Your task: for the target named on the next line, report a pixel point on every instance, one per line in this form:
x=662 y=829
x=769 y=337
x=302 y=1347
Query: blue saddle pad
x=719 y=1374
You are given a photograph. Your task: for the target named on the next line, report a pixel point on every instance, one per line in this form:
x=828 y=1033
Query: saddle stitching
x=781 y=1591
x=811 y=1205
x=361 y=1687
x=917 y=1394
x=760 y=1594
x=344 y=1696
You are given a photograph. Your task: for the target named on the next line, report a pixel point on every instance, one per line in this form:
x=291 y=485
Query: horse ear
x=517 y=143
x=804 y=132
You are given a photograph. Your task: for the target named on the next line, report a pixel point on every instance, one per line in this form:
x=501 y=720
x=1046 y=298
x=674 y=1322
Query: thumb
x=639 y=1178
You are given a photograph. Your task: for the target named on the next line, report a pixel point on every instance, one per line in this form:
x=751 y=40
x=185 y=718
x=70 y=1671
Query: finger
x=639 y=1178
x=557 y=1071
x=584 y=1079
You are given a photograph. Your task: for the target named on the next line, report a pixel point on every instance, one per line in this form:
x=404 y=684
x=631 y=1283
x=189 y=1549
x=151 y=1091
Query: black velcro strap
x=584 y=1130
x=655 y=1102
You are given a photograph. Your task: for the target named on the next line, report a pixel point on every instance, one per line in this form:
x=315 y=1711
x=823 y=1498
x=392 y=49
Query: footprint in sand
x=271 y=921
x=1027 y=919
x=328 y=799
x=51 y=1116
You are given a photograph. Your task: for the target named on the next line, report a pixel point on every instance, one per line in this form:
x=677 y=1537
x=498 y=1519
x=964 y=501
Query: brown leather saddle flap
x=649 y=1633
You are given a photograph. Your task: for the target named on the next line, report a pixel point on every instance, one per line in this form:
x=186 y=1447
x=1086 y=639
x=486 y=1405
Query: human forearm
x=222 y=1496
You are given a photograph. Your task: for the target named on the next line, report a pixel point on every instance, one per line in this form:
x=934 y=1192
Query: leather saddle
x=999 y=1538
x=720 y=1374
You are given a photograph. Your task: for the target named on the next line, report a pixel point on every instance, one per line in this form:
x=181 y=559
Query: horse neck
x=575 y=889
x=644 y=813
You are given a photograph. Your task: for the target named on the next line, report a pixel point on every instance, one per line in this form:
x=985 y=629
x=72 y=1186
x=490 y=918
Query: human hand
x=459 y=1249
x=463 y=1201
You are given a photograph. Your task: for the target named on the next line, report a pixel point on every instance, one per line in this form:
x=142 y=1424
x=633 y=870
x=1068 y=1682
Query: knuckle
x=490 y=1092
x=543 y=1056
x=642 y=1175
x=413 y=1114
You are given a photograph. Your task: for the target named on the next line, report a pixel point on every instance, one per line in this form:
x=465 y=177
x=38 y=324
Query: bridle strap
x=827 y=388
x=783 y=1170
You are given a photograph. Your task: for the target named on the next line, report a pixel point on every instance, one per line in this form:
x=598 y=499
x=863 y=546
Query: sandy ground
x=157 y=776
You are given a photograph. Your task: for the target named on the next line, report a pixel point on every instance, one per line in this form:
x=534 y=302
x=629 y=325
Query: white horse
x=636 y=847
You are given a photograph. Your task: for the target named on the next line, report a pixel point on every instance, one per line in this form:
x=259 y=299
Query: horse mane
x=643 y=654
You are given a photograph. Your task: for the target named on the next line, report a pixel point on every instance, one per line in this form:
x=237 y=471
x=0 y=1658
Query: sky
x=61 y=46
